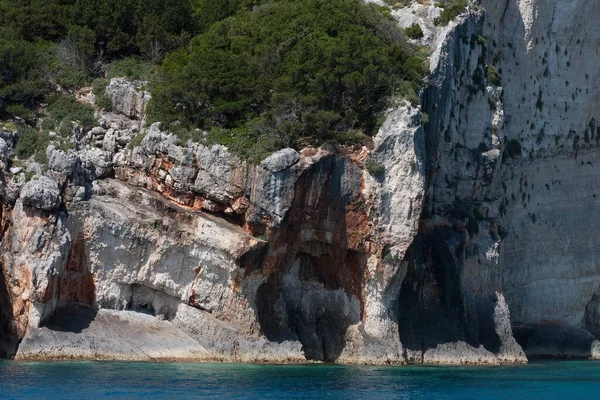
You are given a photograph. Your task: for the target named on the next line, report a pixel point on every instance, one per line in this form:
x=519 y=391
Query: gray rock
x=4 y=150
x=79 y=194
x=35 y=168
x=221 y=176
x=10 y=138
x=109 y=143
x=554 y=339
x=98 y=131
x=183 y=175
x=126 y=98
x=280 y=160
x=123 y=140
x=97 y=163
x=42 y=193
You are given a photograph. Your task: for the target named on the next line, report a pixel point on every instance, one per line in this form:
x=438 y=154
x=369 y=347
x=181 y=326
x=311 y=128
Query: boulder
x=42 y=193
x=126 y=98
x=280 y=160
x=3 y=151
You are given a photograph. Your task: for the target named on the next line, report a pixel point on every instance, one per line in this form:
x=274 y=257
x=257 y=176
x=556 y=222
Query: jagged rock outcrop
x=128 y=98
x=42 y=193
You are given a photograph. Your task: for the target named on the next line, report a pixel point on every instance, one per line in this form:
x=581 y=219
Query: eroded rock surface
x=476 y=245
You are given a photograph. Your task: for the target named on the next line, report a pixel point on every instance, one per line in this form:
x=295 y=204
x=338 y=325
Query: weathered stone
x=123 y=140
x=221 y=176
x=41 y=192
x=280 y=160
x=126 y=98
x=61 y=161
x=4 y=151
x=109 y=142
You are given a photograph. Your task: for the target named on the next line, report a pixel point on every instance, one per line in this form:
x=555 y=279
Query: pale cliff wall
x=512 y=194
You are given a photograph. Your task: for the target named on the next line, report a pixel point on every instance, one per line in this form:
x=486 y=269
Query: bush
x=132 y=68
x=65 y=112
x=414 y=31
x=397 y=3
x=30 y=143
x=492 y=76
x=374 y=168
x=452 y=9
x=136 y=141
x=288 y=72
x=22 y=83
x=99 y=90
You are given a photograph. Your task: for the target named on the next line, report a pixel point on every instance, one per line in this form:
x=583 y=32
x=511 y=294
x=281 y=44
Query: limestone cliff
x=481 y=225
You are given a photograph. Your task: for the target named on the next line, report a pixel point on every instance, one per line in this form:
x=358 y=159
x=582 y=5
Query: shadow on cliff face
x=8 y=340
x=75 y=292
x=71 y=318
x=76 y=283
x=315 y=262
x=554 y=339
x=432 y=307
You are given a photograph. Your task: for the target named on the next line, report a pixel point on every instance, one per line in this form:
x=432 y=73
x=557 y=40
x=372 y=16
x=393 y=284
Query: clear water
x=83 y=380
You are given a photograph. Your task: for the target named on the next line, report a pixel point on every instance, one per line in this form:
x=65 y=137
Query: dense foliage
x=256 y=74
x=451 y=10
x=289 y=71
x=414 y=31
x=68 y=42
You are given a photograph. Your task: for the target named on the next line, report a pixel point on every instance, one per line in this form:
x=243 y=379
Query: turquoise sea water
x=82 y=380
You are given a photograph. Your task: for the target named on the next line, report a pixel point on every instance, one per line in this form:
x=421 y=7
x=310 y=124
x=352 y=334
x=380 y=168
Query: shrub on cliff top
x=414 y=31
x=452 y=9
x=289 y=72
x=31 y=142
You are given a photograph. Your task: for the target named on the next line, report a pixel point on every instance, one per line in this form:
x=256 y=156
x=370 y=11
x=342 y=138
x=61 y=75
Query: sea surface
x=118 y=380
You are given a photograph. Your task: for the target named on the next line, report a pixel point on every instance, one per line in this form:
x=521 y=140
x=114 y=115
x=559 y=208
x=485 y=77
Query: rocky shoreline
x=474 y=245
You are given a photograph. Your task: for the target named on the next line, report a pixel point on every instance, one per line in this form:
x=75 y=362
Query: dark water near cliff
x=80 y=380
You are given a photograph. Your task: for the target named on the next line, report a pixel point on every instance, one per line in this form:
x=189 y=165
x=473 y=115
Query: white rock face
x=400 y=147
x=127 y=98
x=511 y=193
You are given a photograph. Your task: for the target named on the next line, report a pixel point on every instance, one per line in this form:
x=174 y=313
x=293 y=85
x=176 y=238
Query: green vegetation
x=22 y=84
x=374 y=168
x=286 y=73
x=99 y=89
x=451 y=10
x=414 y=31
x=67 y=112
x=137 y=140
x=492 y=76
x=397 y=3
x=255 y=75
x=69 y=42
x=132 y=68
x=32 y=143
